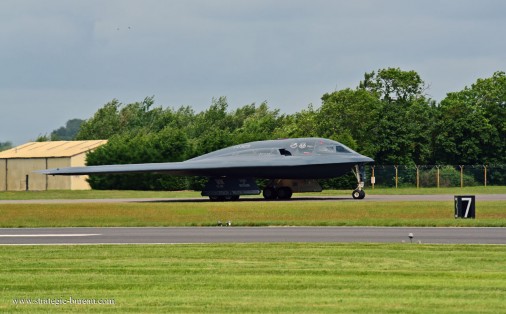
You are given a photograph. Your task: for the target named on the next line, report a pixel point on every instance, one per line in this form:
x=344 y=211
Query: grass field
x=327 y=213
x=243 y=278
x=251 y=278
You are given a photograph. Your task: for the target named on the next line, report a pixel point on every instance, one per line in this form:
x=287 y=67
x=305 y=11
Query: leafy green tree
x=211 y=129
x=169 y=145
x=351 y=117
x=116 y=118
x=404 y=130
x=393 y=84
x=490 y=96
x=258 y=124
x=104 y=124
x=5 y=146
x=421 y=118
x=42 y=138
x=471 y=126
x=299 y=124
x=68 y=132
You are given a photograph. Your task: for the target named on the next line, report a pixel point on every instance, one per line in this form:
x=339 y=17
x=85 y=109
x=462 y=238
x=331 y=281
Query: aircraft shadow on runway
x=259 y=199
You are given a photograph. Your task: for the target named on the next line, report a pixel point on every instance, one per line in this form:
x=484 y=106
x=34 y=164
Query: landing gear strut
x=359 y=172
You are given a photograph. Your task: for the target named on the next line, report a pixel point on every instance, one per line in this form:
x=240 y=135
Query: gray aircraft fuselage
x=301 y=158
x=298 y=158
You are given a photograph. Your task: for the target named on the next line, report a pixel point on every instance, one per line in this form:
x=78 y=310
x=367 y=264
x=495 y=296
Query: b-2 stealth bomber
x=291 y=165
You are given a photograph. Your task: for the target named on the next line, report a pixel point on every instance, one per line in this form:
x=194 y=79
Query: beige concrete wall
x=14 y=179
x=19 y=168
x=78 y=160
x=67 y=182
x=58 y=182
x=79 y=182
x=3 y=175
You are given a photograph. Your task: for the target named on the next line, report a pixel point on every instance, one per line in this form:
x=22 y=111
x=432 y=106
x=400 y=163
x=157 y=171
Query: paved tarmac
x=173 y=235
x=296 y=198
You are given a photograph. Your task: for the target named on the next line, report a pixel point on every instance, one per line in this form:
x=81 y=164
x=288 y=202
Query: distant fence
x=436 y=175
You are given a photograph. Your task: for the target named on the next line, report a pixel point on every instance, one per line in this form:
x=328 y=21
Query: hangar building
x=17 y=165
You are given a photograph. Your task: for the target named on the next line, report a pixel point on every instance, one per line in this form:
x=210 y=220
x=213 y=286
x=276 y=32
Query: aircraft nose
x=366 y=159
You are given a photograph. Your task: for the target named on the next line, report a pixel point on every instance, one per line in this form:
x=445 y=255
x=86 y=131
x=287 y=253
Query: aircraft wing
x=173 y=168
x=278 y=167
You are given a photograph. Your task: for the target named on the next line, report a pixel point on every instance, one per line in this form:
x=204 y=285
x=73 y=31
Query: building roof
x=51 y=149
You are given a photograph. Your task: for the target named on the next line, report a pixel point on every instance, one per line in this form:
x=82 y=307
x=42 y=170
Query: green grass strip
x=326 y=213
x=256 y=278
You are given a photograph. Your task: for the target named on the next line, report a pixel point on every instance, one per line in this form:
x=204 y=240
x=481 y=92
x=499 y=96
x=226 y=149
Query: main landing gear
x=359 y=172
x=282 y=193
x=283 y=189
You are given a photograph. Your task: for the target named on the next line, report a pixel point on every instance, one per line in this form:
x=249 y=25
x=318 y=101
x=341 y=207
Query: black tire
x=270 y=193
x=356 y=194
x=285 y=193
x=362 y=195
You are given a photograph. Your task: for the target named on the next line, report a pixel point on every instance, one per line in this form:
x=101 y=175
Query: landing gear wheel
x=284 y=193
x=270 y=193
x=362 y=194
x=358 y=194
x=359 y=173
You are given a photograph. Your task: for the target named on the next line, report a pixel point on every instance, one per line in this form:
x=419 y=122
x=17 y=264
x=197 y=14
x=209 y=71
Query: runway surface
x=173 y=235
x=297 y=198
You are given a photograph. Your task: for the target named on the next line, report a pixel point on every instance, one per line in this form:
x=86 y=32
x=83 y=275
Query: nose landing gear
x=359 y=172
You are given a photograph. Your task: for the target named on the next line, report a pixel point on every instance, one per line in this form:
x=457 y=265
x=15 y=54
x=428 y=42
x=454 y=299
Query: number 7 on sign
x=469 y=201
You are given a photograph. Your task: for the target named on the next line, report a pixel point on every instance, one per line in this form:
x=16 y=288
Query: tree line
x=387 y=117
x=5 y=145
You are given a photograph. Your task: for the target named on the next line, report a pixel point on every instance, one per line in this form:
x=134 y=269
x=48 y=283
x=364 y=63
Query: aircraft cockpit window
x=284 y=152
x=341 y=149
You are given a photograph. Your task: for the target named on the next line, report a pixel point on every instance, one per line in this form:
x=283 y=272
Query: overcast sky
x=65 y=59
